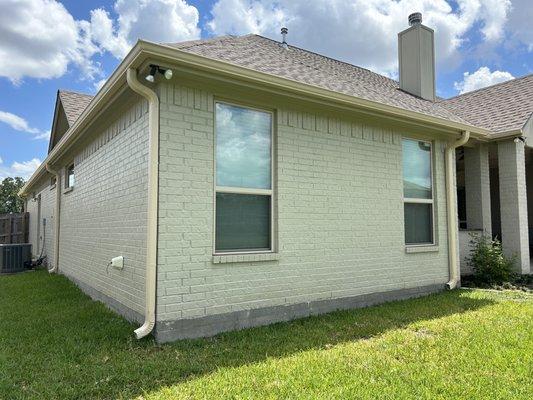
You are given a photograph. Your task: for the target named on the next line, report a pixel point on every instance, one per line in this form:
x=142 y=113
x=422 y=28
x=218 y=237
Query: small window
x=418 y=192
x=243 y=201
x=52 y=181
x=69 y=178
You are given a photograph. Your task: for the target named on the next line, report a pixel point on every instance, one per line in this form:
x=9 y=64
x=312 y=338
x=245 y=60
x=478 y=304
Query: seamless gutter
x=144 y=49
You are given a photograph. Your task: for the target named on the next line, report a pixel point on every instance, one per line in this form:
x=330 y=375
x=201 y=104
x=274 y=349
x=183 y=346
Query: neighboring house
x=262 y=182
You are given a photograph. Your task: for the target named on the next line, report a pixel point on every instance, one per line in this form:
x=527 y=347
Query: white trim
x=411 y=200
x=414 y=200
x=67 y=184
x=239 y=190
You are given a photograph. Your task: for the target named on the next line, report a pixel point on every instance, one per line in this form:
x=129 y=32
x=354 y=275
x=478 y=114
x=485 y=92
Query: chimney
x=416 y=53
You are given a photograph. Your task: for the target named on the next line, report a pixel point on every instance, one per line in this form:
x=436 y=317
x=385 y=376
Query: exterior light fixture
x=167 y=73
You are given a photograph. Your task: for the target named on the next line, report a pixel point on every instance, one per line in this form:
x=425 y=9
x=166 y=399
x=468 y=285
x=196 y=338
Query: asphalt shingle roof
x=74 y=103
x=266 y=55
x=499 y=108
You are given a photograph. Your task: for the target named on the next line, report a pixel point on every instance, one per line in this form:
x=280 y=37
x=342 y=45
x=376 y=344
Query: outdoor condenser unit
x=13 y=257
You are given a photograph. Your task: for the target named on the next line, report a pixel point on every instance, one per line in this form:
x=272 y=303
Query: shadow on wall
x=58 y=340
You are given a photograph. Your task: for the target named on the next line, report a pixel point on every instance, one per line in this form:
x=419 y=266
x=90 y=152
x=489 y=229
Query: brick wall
x=339 y=214
x=105 y=214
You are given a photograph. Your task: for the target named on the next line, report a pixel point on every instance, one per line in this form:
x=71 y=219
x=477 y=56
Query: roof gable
x=68 y=108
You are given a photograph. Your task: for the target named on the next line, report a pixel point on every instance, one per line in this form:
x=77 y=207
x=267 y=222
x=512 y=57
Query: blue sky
x=46 y=45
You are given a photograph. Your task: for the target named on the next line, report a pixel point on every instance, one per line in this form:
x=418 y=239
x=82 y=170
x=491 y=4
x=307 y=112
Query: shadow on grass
x=56 y=343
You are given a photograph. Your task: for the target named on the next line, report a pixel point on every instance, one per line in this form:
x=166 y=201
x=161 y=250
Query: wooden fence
x=14 y=228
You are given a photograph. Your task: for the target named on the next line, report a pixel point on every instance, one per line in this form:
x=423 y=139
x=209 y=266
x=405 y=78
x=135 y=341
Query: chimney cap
x=415 y=18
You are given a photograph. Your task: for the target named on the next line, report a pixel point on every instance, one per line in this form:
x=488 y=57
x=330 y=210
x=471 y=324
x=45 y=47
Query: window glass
x=70 y=176
x=242 y=222
x=243 y=147
x=418 y=223
x=416 y=169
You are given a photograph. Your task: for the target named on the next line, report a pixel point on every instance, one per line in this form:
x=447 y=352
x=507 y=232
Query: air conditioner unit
x=13 y=257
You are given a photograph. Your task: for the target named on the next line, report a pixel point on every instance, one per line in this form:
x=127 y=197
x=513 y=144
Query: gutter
x=57 y=214
x=451 y=209
x=153 y=198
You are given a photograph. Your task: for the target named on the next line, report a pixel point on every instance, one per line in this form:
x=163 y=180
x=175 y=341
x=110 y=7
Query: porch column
x=513 y=202
x=477 y=188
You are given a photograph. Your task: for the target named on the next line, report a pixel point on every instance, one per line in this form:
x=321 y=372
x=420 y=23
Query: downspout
x=451 y=205
x=153 y=182
x=57 y=214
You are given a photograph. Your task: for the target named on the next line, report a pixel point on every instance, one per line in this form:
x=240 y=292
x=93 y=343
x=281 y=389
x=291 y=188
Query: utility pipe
x=153 y=194
x=57 y=215
x=451 y=205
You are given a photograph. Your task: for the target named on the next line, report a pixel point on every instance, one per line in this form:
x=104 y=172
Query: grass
x=55 y=343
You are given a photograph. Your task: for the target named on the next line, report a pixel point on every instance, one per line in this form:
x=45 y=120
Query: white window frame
x=67 y=180
x=411 y=200
x=238 y=190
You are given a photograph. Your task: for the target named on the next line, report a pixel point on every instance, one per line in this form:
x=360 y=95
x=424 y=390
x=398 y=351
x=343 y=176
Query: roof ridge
x=324 y=56
x=488 y=87
x=199 y=42
x=74 y=92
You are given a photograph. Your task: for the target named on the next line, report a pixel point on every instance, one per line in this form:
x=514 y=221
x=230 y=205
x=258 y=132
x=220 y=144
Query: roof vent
x=415 y=19
x=284 y=32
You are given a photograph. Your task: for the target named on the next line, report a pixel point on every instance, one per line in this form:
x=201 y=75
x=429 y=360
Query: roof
x=265 y=55
x=500 y=108
x=74 y=103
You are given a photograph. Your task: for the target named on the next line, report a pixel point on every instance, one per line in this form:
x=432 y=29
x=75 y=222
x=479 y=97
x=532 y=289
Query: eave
x=144 y=50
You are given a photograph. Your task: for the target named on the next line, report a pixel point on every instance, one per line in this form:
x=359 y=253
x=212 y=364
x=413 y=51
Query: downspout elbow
x=451 y=204
x=153 y=200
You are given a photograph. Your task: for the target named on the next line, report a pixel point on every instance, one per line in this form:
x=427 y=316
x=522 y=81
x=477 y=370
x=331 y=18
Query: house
x=231 y=182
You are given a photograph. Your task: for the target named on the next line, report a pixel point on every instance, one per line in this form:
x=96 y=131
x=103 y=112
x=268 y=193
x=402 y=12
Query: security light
x=167 y=73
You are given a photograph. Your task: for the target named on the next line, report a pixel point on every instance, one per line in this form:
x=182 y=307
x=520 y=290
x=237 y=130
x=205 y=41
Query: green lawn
x=55 y=343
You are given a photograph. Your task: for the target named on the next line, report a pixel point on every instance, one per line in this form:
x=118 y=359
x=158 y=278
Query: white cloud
x=23 y=169
x=17 y=123
x=20 y=124
x=155 y=20
x=362 y=31
x=40 y=39
x=98 y=85
x=43 y=135
x=481 y=78
x=520 y=24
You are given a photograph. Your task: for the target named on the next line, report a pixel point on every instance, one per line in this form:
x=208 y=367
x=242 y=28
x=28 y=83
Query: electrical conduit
x=153 y=182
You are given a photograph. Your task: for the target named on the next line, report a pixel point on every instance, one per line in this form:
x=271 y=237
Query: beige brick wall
x=339 y=214
x=41 y=236
x=105 y=214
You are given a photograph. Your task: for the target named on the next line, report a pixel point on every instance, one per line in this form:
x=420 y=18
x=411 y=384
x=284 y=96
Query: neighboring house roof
x=73 y=104
x=500 y=108
x=268 y=56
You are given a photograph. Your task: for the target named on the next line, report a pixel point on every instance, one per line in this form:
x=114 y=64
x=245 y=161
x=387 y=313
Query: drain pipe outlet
x=451 y=205
x=153 y=178
x=57 y=215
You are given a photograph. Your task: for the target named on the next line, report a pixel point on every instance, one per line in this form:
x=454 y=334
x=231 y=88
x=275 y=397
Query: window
x=52 y=182
x=69 y=178
x=243 y=201
x=417 y=192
